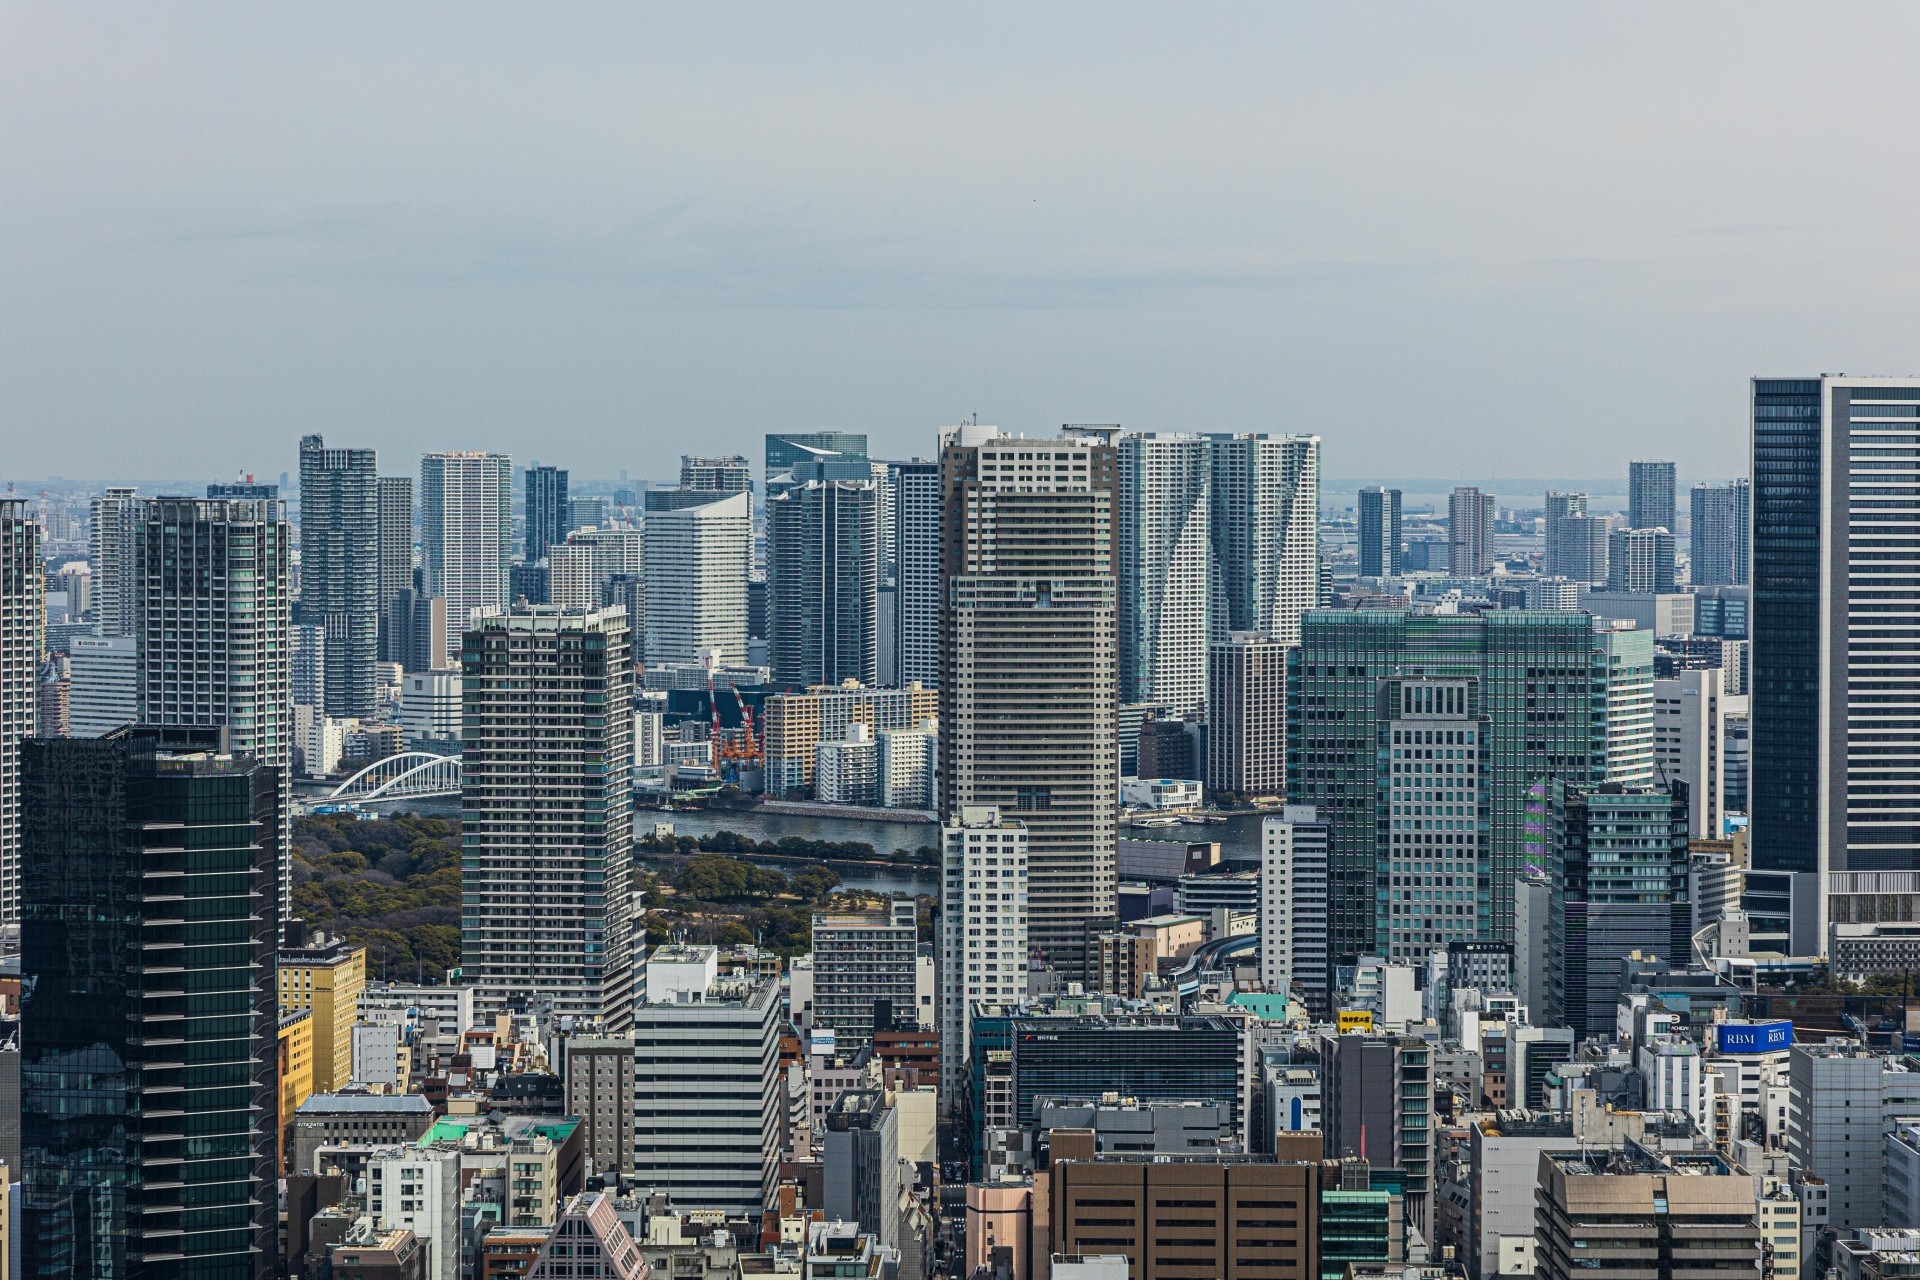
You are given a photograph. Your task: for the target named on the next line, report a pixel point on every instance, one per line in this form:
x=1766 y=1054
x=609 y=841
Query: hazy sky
x=1453 y=239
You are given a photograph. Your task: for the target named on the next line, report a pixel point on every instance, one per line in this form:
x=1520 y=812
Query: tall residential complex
x=1650 y=495
x=1247 y=715
x=547 y=521
x=732 y=474
x=1559 y=507
x=1538 y=687
x=340 y=568
x=1293 y=907
x=707 y=1080
x=1640 y=560
x=697 y=560
x=546 y=812
x=1718 y=534
x=915 y=491
x=214 y=625
x=147 y=1099
x=1836 y=560
x=795 y=724
x=112 y=522
x=1469 y=533
x=466 y=533
x=587 y=562
x=1265 y=532
x=1028 y=713
x=823 y=582
x=1583 y=548
x=396 y=538
x=21 y=607
x=1164 y=553
x=984 y=886
x=1380 y=536
x=1619 y=866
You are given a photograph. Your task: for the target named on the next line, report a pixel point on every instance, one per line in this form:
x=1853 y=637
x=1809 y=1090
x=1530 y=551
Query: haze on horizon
x=1465 y=240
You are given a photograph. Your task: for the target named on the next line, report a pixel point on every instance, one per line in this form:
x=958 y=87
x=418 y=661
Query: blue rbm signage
x=1755 y=1037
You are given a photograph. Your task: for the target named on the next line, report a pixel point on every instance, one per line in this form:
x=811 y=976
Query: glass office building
x=1488 y=707
x=147 y=1093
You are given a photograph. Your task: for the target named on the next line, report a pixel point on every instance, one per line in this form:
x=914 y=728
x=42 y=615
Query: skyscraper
x=1469 y=533
x=340 y=563
x=1713 y=543
x=1461 y=799
x=1165 y=507
x=546 y=812
x=1293 y=906
x=112 y=520
x=1380 y=536
x=106 y=684
x=1650 y=495
x=983 y=928
x=466 y=533
x=215 y=615
x=1247 y=716
x=1836 y=547
x=396 y=537
x=1619 y=886
x=1028 y=678
x=1559 y=507
x=791 y=449
x=147 y=1091
x=1582 y=548
x=1266 y=533
x=697 y=560
x=916 y=525
x=823 y=582
x=21 y=608
x=1640 y=560
x=547 y=521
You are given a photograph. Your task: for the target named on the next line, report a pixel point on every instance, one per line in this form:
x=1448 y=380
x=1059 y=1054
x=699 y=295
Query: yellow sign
x=1354 y=1020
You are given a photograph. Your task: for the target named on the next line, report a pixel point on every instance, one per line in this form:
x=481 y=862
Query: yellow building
x=296 y=1072
x=326 y=978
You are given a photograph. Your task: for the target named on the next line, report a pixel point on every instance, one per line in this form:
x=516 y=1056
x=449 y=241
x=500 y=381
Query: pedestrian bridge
x=407 y=776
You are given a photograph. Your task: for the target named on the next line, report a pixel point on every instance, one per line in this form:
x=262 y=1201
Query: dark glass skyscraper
x=823 y=581
x=1379 y=533
x=148 y=1099
x=546 y=510
x=1836 y=587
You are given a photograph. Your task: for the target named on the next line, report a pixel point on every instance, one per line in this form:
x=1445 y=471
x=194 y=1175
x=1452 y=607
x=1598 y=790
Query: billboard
x=1354 y=1020
x=1755 y=1037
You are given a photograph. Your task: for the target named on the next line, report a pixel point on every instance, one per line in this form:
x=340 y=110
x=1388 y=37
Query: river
x=1239 y=837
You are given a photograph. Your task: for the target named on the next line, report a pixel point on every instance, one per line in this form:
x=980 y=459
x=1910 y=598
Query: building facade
x=22 y=607
x=823 y=582
x=1265 y=528
x=697 y=561
x=137 y=1160
x=1380 y=533
x=1293 y=907
x=1029 y=677
x=340 y=568
x=1469 y=533
x=1247 y=715
x=466 y=534
x=545 y=812
x=1165 y=498
x=547 y=511
x=1650 y=495
x=983 y=928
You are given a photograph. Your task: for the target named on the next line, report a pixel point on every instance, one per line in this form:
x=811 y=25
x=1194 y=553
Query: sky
x=1461 y=240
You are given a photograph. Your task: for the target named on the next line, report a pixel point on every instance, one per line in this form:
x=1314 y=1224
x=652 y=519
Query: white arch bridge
x=409 y=775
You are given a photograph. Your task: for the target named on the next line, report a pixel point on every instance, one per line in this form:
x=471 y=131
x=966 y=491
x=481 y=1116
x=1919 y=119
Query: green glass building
x=147 y=1028
x=1427 y=741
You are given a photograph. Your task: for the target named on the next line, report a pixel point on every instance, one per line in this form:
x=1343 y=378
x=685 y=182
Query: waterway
x=1238 y=837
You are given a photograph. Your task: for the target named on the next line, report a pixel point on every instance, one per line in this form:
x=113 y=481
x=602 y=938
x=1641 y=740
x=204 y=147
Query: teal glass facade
x=1537 y=681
